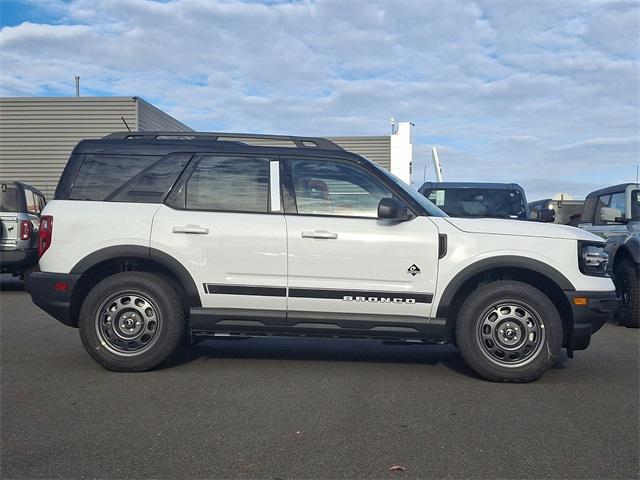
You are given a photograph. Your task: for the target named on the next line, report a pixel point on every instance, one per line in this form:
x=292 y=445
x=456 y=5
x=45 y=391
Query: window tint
x=333 y=188
x=8 y=198
x=635 y=204
x=230 y=184
x=152 y=184
x=33 y=206
x=618 y=201
x=479 y=202
x=127 y=178
x=603 y=201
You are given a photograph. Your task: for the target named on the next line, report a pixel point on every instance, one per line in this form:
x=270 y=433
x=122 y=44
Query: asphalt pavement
x=299 y=408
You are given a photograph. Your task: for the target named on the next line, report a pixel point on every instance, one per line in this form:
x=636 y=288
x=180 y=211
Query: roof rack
x=301 y=142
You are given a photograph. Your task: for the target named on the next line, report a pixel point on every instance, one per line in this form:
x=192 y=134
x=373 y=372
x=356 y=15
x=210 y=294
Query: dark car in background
x=20 y=208
x=614 y=214
x=560 y=211
x=476 y=199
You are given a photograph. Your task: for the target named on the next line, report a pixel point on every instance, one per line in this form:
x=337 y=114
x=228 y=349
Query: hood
x=521 y=228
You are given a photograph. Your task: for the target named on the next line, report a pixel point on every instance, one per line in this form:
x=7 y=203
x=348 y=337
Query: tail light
x=25 y=229
x=44 y=234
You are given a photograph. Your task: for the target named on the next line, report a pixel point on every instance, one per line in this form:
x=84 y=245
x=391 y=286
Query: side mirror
x=392 y=209
x=547 y=215
x=608 y=214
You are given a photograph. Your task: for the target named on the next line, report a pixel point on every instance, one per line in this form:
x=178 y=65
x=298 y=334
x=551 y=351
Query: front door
x=224 y=224
x=348 y=270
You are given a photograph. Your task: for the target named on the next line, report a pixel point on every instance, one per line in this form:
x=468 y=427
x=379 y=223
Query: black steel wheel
x=509 y=331
x=132 y=321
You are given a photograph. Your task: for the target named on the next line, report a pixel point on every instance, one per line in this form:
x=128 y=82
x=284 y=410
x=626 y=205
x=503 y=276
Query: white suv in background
x=155 y=237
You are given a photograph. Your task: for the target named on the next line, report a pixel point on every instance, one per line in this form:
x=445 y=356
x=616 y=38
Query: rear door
x=223 y=222
x=348 y=270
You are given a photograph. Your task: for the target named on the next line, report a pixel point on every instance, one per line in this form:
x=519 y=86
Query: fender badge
x=414 y=270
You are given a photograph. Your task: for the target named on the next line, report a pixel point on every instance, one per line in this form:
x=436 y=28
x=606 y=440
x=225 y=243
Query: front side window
x=229 y=184
x=335 y=188
x=618 y=201
x=635 y=204
x=603 y=201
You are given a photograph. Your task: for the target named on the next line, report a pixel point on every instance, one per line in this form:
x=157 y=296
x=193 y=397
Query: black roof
x=495 y=186
x=613 y=189
x=23 y=186
x=161 y=143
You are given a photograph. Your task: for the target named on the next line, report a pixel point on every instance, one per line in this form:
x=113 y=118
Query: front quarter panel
x=466 y=249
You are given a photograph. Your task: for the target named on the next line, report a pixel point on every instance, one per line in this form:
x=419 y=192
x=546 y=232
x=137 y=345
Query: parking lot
x=296 y=408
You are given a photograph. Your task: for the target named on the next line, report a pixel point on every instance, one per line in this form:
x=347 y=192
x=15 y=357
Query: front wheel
x=131 y=321
x=509 y=331
x=627 y=280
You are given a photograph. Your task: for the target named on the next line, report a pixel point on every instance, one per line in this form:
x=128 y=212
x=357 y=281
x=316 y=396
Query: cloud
x=506 y=89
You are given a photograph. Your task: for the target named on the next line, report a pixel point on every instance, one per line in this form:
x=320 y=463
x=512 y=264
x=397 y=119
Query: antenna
x=638 y=173
x=436 y=164
x=77 y=85
x=394 y=127
x=125 y=123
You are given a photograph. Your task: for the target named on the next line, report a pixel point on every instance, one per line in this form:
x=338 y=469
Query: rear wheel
x=509 y=331
x=131 y=321
x=627 y=280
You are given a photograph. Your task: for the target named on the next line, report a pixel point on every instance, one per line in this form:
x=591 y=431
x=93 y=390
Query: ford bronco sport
x=614 y=214
x=156 y=237
x=20 y=208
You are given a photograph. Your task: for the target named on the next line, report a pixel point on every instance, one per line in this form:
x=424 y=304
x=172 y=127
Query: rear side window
x=127 y=178
x=8 y=198
x=229 y=184
x=33 y=202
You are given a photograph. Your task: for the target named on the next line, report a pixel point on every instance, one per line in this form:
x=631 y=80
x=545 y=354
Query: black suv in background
x=20 y=208
x=614 y=214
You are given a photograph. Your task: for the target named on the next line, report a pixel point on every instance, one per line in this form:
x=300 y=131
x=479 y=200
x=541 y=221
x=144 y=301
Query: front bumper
x=49 y=293
x=589 y=317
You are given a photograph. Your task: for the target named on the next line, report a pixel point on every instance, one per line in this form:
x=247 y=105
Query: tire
x=132 y=321
x=509 y=331
x=627 y=280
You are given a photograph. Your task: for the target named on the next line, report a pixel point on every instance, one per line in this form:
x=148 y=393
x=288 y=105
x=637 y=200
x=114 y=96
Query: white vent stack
x=401 y=150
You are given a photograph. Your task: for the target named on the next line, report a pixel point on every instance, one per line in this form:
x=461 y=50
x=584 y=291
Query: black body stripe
x=339 y=294
x=264 y=291
x=245 y=290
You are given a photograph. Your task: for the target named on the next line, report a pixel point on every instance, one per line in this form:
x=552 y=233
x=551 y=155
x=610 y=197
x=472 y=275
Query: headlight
x=592 y=259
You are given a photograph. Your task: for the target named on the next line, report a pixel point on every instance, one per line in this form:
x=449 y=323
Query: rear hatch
x=9 y=207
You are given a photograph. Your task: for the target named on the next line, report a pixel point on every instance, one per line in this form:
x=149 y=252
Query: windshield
x=431 y=209
x=479 y=202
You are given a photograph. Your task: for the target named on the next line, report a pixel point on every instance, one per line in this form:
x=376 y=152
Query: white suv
x=157 y=237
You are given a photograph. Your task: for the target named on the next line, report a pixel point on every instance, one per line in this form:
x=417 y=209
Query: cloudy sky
x=544 y=93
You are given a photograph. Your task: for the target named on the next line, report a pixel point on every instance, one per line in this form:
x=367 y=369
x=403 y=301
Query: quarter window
x=335 y=188
x=127 y=178
x=229 y=184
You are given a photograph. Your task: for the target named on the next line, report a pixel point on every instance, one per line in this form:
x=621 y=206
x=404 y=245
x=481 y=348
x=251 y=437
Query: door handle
x=320 y=234
x=191 y=229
